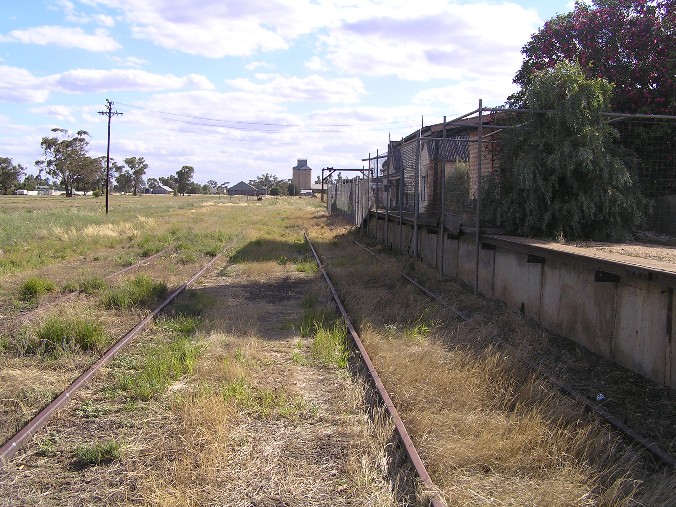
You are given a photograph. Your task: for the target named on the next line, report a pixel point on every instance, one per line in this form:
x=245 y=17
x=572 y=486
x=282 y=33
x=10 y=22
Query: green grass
x=329 y=345
x=61 y=335
x=32 y=289
x=161 y=366
x=306 y=266
x=266 y=402
x=138 y=291
x=99 y=453
x=314 y=315
x=92 y=285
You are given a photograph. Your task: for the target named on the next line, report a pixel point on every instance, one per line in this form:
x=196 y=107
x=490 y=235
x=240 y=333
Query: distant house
x=163 y=189
x=21 y=191
x=242 y=188
x=45 y=190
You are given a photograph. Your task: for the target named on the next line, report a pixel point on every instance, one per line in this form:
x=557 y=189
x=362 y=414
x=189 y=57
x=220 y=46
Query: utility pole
x=110 y=113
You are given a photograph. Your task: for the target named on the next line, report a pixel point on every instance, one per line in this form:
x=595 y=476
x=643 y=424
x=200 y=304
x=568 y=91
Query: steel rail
x=66 y=297
x=10 y=448
x=651 y=446
x=435 y=497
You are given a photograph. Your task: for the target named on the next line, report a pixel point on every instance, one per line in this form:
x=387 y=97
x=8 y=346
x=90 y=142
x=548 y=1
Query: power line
x=110 y=113
x=265 y=124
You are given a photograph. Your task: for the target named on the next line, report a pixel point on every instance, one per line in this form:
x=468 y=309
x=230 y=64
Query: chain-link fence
x=350 y=198
x=437 y=174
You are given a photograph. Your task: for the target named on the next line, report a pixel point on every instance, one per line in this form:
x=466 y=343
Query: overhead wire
x=254 y=126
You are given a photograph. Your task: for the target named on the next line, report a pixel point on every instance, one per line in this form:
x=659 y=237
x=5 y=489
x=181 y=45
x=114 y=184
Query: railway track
x=412 y=453
x=614 y=420
x=16 y=442
x=65 y=297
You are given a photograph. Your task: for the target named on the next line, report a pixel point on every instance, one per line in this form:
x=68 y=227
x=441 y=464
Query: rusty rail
x=66 y=297
x=10 y=448
x=649 y=445
x=431 y=489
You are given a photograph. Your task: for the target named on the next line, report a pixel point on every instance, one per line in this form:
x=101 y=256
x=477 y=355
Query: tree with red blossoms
x=630 y=43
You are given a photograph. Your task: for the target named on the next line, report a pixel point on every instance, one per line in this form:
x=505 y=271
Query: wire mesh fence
x=436 y=174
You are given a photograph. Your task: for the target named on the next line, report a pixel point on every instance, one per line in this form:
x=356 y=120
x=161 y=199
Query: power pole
x=110 y=113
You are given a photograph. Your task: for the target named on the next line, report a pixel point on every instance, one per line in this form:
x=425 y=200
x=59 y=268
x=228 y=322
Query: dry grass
x=259 y=427
x=490 y=430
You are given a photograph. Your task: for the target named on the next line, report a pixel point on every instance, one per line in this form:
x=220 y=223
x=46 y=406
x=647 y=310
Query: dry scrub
x=490 y=430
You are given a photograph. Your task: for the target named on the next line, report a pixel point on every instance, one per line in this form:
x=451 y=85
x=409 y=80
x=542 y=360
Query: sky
x=239 y=88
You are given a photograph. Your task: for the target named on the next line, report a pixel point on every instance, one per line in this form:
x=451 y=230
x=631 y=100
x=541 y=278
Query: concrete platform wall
x=631 y=320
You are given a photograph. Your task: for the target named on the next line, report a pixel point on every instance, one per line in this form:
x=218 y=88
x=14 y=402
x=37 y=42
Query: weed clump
x=139 y=291
x=99 y=453
x=61 y=335
x=164 y=364
x=33 y=288
x=329 y=346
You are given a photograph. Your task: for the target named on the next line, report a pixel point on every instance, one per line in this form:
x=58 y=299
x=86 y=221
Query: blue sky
x=240 y=88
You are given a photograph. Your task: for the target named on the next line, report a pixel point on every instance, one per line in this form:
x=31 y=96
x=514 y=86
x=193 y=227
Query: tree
x=153 y=183
x=630 y=43
x=563 y=176
x=184 y=179
x=90 y=175
x=137 y=167
x=65 y=156
x=125 y=181
x=31 y=182
x=266 y=182
x=10 y=174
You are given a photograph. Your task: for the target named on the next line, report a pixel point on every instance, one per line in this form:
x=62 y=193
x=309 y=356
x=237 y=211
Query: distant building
x=163 y=189
x=242 y=188
x=302 y=176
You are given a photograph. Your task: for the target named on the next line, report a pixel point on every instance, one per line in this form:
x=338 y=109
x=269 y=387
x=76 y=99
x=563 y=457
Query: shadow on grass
x=265 y=250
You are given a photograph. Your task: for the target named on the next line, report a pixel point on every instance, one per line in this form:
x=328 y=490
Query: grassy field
x=246 y=393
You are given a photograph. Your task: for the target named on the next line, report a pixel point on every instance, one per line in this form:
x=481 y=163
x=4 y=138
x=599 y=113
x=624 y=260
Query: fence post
x=401 y=201
x=477 y=235
x=442 y=218
x=416 y=194
x=387 y=203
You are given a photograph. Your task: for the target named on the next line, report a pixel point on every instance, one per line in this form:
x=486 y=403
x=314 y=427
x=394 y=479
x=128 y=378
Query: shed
x=242 y=188
x=163 y=189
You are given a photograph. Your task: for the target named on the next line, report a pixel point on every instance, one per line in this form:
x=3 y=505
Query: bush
x=563 y=176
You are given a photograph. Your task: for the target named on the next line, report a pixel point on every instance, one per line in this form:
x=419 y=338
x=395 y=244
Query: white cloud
x=312 y=88
x=258 y=65
x=215 y=28
x=94 y=80
x=442 y=41
x=462 y=97
x=63 y=36
x=129 y=61
x=20 y=85
x=63 y=113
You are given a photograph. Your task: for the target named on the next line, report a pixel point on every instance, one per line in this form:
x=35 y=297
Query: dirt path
x=258 y=423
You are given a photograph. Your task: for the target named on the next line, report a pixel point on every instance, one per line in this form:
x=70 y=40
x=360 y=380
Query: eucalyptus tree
x=65 y=157
x=10 y=174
